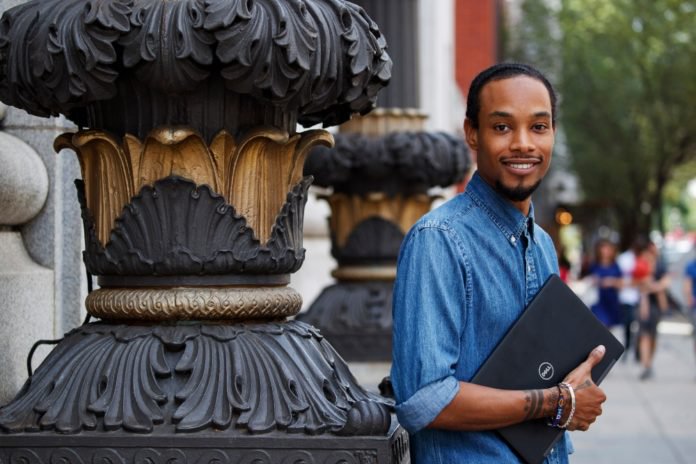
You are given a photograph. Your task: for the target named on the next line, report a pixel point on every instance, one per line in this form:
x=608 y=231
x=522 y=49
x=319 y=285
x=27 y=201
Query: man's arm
x=482 y=408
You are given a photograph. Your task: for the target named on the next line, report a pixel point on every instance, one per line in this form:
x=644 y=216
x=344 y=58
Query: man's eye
x=540 y=127
x=500 y=127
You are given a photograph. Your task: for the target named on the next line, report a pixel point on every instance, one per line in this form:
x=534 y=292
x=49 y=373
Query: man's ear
x=471 y=135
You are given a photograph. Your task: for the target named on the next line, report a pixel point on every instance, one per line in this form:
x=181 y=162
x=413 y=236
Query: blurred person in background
x=690 y=295
x=653 y=279
x=608 y=278
x=629 y=294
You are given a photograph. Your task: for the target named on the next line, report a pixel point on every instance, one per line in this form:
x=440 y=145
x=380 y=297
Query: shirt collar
x=509 y=220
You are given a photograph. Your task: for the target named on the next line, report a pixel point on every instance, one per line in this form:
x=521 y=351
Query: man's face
x=514 y=140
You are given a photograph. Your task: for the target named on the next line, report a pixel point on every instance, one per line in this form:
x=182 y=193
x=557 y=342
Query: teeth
x=521 y=166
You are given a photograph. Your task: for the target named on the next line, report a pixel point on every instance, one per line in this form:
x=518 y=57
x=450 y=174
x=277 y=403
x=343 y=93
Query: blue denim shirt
x=465 y=273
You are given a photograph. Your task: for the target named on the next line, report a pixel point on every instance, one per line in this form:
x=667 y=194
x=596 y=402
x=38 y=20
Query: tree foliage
x=628 y=108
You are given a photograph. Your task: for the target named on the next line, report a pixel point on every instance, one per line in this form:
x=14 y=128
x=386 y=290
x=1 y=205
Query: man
x=465 y=273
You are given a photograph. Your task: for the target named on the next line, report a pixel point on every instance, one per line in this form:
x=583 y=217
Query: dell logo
x=545 y=371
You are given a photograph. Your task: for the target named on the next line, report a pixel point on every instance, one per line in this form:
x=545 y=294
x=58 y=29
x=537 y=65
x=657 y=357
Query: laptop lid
x=551 y=338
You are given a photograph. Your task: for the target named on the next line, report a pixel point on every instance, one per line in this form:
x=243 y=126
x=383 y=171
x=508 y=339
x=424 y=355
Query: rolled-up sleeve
x=429 y=310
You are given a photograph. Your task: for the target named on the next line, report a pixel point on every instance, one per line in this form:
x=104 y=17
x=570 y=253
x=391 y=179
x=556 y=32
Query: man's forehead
x=515 y=94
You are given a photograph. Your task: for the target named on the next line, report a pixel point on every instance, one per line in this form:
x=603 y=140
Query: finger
x=596 y=356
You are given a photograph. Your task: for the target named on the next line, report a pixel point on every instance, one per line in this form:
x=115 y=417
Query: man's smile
x=521 y=165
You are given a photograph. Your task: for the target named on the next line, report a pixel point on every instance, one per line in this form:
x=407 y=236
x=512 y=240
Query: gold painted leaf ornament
x=254 y=175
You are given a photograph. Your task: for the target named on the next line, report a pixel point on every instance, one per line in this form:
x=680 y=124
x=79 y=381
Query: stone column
x=192 y=198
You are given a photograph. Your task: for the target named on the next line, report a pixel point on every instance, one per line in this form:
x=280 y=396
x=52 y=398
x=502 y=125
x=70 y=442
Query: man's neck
x=523 y=205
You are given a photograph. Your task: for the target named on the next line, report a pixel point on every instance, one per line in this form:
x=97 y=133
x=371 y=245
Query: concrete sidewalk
x=647 y=422
x=644 y=422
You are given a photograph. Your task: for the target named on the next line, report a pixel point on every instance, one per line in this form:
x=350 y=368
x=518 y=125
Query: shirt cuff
x=424 y=406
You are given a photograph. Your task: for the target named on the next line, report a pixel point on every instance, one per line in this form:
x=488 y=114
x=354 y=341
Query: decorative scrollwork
x=214 y=457
x=202 y=303
x=108 y=456
x=323 y=59
x=341 y=457
x=256 y=457
x=66 y=456
x=298 y=457
x=405 y=163
x=25 y=456
x=244 y=378
x=158 y=456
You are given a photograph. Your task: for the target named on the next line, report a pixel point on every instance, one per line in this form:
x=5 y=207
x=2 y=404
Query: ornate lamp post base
x=380 y=189
x=253 y=392
x=204 y=448
x=193 y=199
x=356 y=318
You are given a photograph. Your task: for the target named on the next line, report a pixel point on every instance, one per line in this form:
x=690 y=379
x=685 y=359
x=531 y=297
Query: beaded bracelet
x=572 y=405
x=559 y=409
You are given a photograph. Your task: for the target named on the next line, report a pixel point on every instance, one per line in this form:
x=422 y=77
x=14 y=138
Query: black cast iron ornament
x=398 y=164
x=258 y=373
x=131 y=65
x=192 y=198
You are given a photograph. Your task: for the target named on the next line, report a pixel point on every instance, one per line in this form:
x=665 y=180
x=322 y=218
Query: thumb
x=596 y=355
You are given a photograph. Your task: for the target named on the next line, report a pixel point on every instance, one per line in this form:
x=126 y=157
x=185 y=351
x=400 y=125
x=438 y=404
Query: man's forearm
x=482 y=408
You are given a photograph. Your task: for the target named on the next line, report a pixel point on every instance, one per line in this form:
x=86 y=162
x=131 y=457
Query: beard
x=518 y=193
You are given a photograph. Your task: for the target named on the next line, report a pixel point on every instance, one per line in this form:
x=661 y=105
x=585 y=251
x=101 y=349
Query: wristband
x=556 y=419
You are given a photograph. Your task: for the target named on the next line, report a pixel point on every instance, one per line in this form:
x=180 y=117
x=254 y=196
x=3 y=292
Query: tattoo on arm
x=534 y=403
x=551 y=402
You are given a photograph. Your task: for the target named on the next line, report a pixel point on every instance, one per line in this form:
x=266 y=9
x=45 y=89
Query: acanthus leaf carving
x=187 y=44
x=108 y=176
x=397 y=163
x=254 y=175
x=245 y=378
x=321 y=60
x=137 y=364
x=88 y=377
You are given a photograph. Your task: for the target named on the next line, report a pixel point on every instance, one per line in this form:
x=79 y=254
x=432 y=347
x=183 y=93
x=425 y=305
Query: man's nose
x=522 y=142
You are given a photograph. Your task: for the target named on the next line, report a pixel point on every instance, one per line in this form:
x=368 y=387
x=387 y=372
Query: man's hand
x=588 y=396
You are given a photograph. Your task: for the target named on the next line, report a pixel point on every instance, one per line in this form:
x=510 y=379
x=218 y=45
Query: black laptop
x=552 y=336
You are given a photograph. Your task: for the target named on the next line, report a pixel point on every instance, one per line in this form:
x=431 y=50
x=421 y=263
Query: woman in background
x=609 y=279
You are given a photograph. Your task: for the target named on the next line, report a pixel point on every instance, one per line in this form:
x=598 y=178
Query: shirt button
x=513 y=240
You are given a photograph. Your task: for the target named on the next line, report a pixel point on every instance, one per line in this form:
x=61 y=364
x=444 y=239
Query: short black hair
x=498 y=72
